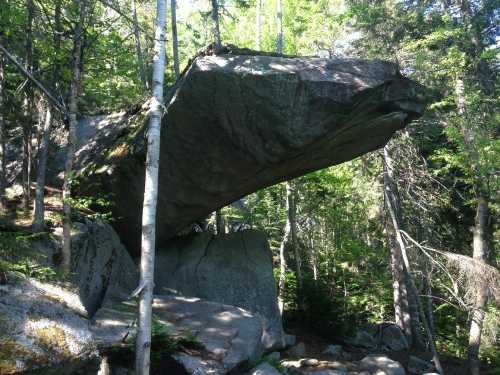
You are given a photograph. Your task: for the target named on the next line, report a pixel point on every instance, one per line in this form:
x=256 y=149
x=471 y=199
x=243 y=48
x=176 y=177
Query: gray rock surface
x=381 y=365
x=100 y=263
x=41 y=326
x=419 y=366
x=229 y=335
x=362 y=339
x=264 y=369
x=238 y=123
x=391 y=337
x=234 y=269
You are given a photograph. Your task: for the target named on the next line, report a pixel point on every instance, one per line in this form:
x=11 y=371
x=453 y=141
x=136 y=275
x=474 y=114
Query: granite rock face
x=234 y=269
x=229 y=336
x=41 y=326
x=238 y=123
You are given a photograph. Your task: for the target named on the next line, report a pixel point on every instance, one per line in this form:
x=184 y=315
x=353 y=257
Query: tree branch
x=59 y=105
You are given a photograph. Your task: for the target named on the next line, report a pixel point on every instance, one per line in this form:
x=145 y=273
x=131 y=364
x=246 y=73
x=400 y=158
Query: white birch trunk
x=39 y=209
x=70 y=148
x=143 y=340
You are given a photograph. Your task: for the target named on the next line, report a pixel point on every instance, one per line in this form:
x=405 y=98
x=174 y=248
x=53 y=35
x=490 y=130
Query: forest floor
x=315 y=346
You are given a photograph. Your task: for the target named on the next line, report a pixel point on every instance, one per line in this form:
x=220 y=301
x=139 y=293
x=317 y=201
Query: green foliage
x=18 y=257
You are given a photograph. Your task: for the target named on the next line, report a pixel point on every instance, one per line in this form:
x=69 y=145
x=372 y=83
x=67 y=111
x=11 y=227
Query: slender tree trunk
x=138 y=49
x=258 y=24
x=39 y=207
x=220 y=227
x=39 y=210
x=480 y=252
x=70 y=148
x=175 y=42
x=143 y=341
x=480 y=230
x=216 y=26
x=28 y=106
x=3 y=172
x=292 y=213
x=412 y=289
x=279 y=21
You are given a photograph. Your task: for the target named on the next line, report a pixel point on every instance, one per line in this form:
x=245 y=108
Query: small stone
x=264 y=369
x=309 y=362
x=330 y=372
x=290 y=364
x=381 y=365
x=298 y=350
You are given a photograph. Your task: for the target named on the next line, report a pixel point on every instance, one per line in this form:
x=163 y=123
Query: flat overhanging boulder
x=238 y=123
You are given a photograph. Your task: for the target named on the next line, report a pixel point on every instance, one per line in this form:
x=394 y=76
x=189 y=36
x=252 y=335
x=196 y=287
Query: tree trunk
x=70 y=148
x=146 y=285
x=216 y=26
x=480 y=230
x=39 y=210
x=28 y=109
x=279 y=21
x=220 y=227
x=138 y=49
x=175 y=43
x=3 y=172
x=390 y=199
x=258 y=24
x=480 y=252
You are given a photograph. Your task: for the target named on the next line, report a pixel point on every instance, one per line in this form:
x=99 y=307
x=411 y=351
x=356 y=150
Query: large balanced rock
x=229 y=336
x=234 y=269
x=238 y=123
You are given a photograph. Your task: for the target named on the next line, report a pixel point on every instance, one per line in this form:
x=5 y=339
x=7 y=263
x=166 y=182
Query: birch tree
x=146 y=285
x=81 y=5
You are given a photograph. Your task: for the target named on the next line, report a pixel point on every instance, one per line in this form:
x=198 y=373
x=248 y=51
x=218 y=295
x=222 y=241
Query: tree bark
x=175 y=42
x=3 y=180
x=39 y=210
x=258 y=24
x=138 y=49
x=146 y=285
x=220 y=227
x=216 y=26
x=28 y=109
x=70 y=148
x=279 y=21
x=412 y=289
x=480 y=230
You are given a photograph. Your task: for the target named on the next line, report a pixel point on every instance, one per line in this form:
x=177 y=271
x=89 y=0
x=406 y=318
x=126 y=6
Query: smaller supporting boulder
x=234 y=269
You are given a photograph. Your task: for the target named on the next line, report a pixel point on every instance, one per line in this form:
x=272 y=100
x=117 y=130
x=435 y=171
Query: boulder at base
x=230 y=336
x=100 y=263
x=239 y=122
x=41 y=327
x=234 y=269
